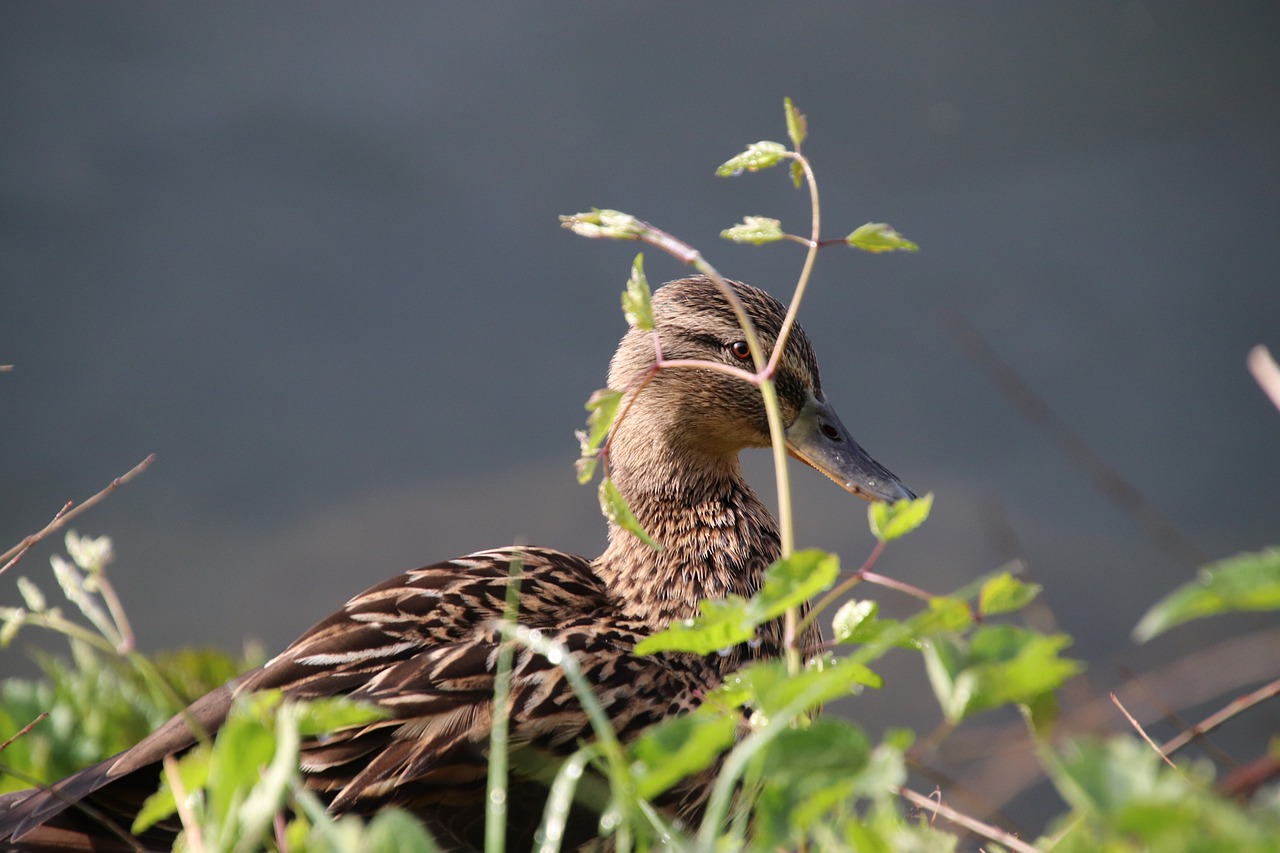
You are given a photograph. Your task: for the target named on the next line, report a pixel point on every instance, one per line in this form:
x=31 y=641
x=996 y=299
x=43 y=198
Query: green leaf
x=674 y=749
x=609 y=224
x=797 y=124
x=636 y=304
x=998 y=665
x=759 y=155
x=891 y=521
x=809 y=775
x=614 y=506
x=756 y=230
x=773 y=690
x=725 y=623
x=878 y=237
x=602 y=407
x=1005 y=593
x=1245 y=582
x=855 y=621
x=793 y=581
x=193 y=771
x=322 y=716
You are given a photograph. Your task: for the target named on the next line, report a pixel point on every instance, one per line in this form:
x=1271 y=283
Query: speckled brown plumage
x=424 y=646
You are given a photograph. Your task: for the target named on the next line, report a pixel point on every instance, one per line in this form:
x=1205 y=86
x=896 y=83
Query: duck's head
x=712 y=414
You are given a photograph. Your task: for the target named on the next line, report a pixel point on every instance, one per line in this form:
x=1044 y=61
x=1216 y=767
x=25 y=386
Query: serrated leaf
x=797 y=124
x=608 y=224
x=756 y=230
x=891 y=521
x=602 y=407
x=722 y=624
x=614 y=506
x=854 y=620
x=759 y=155
x=674 y=749
x=1004 y=593
x=773 y=689
x=1246 y=582
x=809 y=775
x=878 y=237
x=998 y=665
x=726 y=622
x=793 y=581
x=636 y=299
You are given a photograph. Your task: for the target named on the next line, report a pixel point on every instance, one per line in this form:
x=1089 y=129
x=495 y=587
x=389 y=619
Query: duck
x=423 y=646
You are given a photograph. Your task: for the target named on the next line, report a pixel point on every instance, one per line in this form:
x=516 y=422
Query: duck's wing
x=424 y=648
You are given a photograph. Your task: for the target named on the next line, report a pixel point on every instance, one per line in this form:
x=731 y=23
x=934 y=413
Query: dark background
x=308 y=255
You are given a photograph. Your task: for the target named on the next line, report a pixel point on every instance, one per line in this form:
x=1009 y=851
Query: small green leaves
x=636 y=303
x=611 y=224
x=797 y=129
x=997 y=665
x=668 y=752
x=603 y=408
x=756 y=230
x=1249 y=581
x=726 y=622
x=891 y=521
x=759 y=155
x=797 y=124
x=878 y=237
x=614 y=506
x=1004 y=593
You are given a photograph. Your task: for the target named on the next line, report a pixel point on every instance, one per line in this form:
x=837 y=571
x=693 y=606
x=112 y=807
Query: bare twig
x=1110 y=482
x=974 y=825
x=5 y=368
x=1211 y=722
x=195 y=841
x=28 y=727
x=1140 y=730
x=1266 y=372
x=68 y=512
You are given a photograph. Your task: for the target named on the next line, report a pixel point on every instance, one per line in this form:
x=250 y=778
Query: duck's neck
x=717 y=537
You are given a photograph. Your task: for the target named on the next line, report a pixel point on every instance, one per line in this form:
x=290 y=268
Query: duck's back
x=424 y=648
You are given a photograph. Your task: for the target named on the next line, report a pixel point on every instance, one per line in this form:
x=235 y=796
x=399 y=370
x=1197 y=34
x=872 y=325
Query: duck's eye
x=740 y=350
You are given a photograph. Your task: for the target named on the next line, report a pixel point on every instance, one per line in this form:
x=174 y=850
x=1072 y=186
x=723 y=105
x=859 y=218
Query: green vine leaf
x=677 y=747
x=759 y=155
x=756 y=230
x=1249 y=581
x=614 y=506
x=797 y=123
x=637 y=304
x=608 y=224
x=997 y=665
x=1004 y=593
x=726 y=622
x=876 y=237
x=603 y=408
x=891 y=521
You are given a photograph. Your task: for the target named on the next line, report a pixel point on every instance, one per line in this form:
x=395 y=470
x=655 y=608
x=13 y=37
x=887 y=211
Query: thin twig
x=5 y=368
x=195 y=841
x=900 y=586
x=1109 y=482
x=1266 y=372
x=1115 y=700
x=22 y=731
x=1211 y=722
x=68 y=512
x=972 y=824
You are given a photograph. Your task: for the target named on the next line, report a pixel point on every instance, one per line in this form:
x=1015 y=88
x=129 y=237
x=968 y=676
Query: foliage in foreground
x=784 y=777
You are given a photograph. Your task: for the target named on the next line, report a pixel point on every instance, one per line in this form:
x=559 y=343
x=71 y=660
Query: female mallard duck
x=422 y=646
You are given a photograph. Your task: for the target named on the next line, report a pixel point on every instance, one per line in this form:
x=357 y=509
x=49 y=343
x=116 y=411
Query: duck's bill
x=820 y=440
